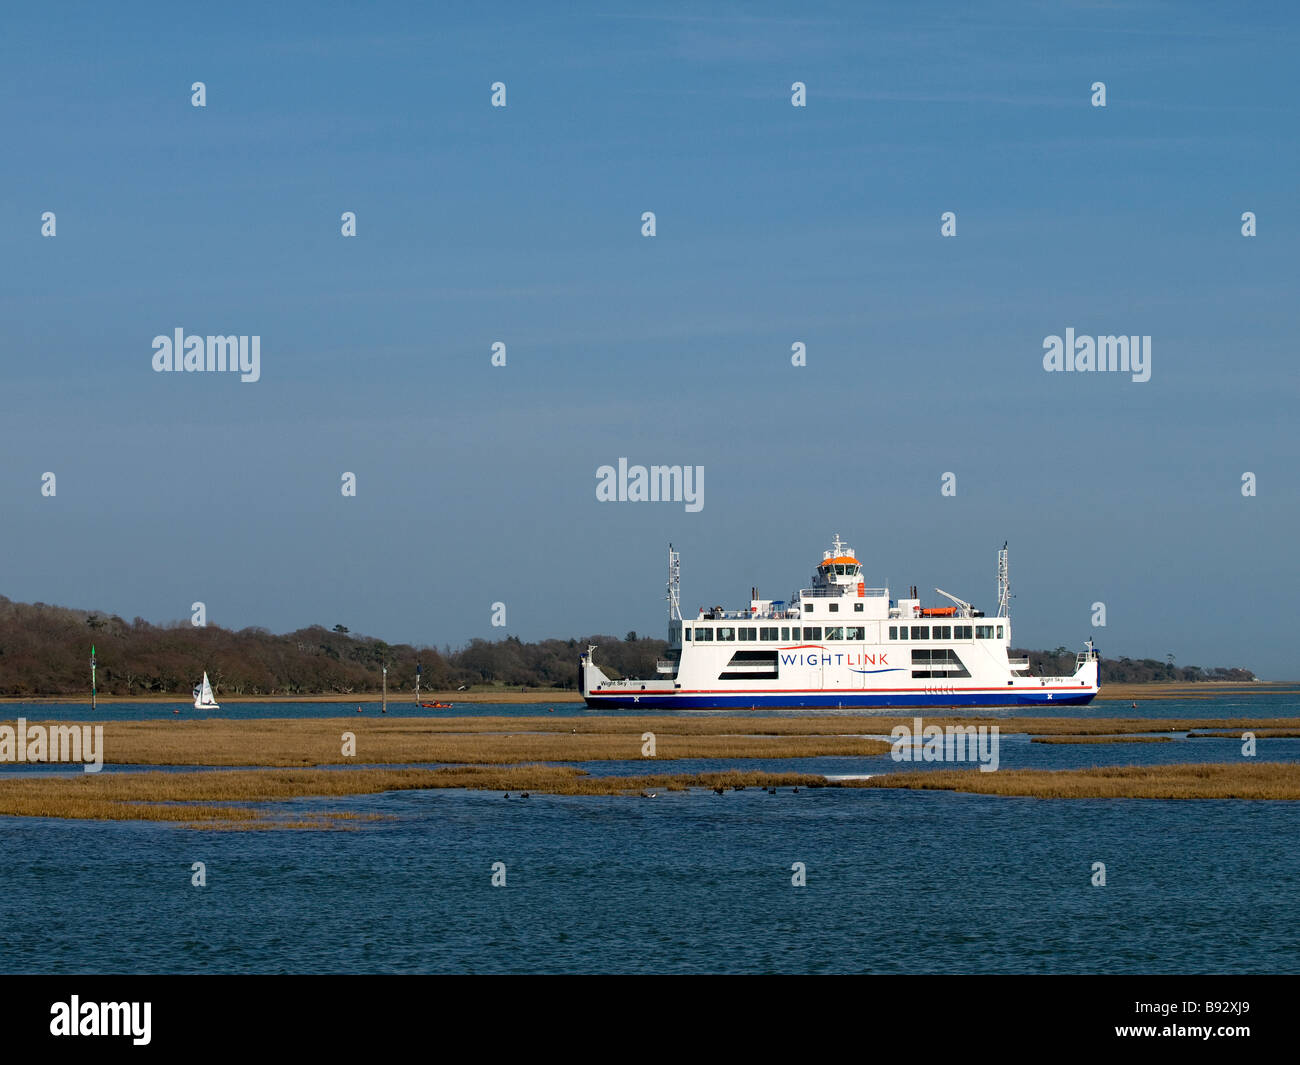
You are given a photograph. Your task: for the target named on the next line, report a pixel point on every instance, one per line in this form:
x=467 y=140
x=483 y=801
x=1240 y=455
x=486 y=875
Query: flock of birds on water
x=718 y=790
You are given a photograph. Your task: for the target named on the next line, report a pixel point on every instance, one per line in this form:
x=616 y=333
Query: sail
x=203 y=698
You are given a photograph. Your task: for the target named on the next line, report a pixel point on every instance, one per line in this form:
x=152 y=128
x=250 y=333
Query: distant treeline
x=1060 y=663
x=45 y=650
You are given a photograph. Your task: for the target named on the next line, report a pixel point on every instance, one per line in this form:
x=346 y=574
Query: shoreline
x=532 y=696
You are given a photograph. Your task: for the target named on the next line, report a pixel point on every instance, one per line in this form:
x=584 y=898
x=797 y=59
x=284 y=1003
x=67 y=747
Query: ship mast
x=674 y=585
x=1004 y=584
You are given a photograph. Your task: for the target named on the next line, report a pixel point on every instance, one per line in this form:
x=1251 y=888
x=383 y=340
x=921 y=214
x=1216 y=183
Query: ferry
x=840 y=645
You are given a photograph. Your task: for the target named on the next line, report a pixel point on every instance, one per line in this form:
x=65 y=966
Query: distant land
x=45 y=651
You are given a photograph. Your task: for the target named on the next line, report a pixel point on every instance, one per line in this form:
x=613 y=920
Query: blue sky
x=776 y=224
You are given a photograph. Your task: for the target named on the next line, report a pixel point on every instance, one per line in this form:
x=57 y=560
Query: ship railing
x=745 y=615
x=837 y=590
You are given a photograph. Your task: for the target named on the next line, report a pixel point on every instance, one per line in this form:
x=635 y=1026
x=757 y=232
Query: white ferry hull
x=600 y=692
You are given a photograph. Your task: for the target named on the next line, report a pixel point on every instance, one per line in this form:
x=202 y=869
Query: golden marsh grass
x=1236 y=780
x=187 y=798
x=504 y=741
x=508 y=740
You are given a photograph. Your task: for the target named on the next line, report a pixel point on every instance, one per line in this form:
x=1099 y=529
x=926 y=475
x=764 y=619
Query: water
x=897 y=882
x=1271 y=704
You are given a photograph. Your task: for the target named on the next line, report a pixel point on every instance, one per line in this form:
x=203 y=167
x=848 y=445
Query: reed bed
x=511 y=740
x=1238 y=780
x=1260 y=733
x=319 y=741
x=187 y=798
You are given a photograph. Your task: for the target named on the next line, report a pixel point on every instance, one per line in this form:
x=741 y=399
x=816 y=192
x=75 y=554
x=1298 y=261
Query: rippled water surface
x=897 y=882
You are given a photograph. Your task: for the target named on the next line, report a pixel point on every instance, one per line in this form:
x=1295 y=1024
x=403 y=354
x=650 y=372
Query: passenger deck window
x=812 y=632
x=920 y=632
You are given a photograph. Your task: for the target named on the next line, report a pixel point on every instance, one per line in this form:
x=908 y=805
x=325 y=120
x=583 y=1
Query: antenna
x=1004 y=584
x=674 y=585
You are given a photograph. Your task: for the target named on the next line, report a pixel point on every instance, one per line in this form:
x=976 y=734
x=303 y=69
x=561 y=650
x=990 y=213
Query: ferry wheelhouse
x=840 y=644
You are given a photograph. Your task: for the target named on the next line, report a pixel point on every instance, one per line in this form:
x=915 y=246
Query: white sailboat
x=203 y=698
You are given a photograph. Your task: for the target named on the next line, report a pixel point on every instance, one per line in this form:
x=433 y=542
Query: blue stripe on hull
x=845 y=701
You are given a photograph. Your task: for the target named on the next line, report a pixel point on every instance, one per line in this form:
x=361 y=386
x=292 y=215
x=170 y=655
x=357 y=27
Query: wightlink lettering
x=838 y=658
x=214 y=354
x=102 y=1018
x=658 y=484
x=56 y=743
x=1071 y=354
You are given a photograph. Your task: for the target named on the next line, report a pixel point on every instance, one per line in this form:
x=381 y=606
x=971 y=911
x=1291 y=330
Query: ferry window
x=686 y=631
x=983 y=632
x=812 y=632
x=857 y=608
x=794 y=633
x=893 y=632
x=999 y=632
x=834 y=607
x=745 y=634
x=835 y=634
x=726 y=634
x=807 y=608
x=920 y=632
x=853 y=633
x=943 y=632
x=703 y=634
x=785 y=632
x=767 y=634
x=963 y=632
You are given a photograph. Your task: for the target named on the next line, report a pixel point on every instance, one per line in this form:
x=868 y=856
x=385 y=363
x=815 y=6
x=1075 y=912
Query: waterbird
x=771 y=791
x=717 y=791
x=796 y=791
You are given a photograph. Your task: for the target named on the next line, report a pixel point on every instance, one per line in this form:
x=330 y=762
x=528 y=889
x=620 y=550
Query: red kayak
x=437 y=706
